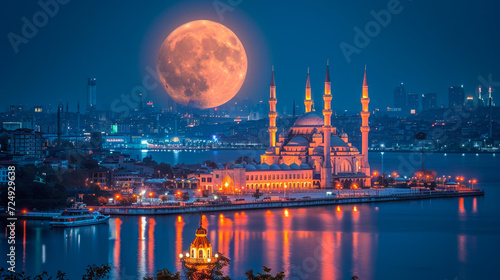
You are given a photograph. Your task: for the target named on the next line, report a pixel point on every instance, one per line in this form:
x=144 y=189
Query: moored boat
x=78 y=217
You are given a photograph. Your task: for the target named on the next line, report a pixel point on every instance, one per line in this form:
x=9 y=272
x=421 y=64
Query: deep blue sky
x=430 y=45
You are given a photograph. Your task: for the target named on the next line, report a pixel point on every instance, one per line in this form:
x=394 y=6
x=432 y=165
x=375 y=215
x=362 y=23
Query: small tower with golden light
x=199 y=258
x=272 y=112
x=365 y=128
x=308 y=102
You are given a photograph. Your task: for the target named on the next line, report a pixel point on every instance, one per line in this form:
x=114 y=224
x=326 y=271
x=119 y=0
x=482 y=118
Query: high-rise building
x=429 y=101
x=412 y=104
x=400 y=97
x=456 y=97
x=91 y=94
x=26 y=144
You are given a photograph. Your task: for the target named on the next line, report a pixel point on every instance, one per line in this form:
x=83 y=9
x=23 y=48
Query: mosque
x=313 y=153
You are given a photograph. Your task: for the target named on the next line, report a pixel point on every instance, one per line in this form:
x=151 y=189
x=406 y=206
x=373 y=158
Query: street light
x=382 y=169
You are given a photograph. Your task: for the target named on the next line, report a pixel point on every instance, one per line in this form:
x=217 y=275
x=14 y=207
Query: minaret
x=308 y=101
x=272 y=112
x=490 y=120
x=365 y=128
x=78 y=121
x=59 y=109
x=326 y=171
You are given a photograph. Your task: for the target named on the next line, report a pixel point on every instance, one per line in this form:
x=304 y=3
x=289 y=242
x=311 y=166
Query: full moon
x=202 y=64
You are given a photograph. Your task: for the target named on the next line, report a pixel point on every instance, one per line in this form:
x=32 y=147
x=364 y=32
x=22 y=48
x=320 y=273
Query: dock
x=248 y=205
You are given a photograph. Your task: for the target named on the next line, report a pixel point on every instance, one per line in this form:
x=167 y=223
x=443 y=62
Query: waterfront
x=396 y=240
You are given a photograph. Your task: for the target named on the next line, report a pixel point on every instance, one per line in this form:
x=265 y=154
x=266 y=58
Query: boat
x=75 y=217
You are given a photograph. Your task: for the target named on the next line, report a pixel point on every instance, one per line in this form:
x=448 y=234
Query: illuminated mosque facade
x=312 y=153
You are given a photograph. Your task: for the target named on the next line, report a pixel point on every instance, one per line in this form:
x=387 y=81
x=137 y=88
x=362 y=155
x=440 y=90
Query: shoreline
x=175 y=210
x=263 y=149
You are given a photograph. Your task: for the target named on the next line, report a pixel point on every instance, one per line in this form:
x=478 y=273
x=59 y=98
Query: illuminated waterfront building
x=312 y=153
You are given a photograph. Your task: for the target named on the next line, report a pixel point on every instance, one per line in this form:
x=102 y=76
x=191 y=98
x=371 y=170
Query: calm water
x=431 y=239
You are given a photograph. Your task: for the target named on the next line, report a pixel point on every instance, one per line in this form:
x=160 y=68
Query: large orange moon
x=202 y=64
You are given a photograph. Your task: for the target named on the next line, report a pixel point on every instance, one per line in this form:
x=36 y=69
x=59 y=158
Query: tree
x=266 y=276
x=95 y=272
x=102 y=200
x=214 y=274
x=165 y=274
x=257 y=194
x=163 y=198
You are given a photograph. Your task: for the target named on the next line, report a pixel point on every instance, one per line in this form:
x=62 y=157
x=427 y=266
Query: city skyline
x=67 y=66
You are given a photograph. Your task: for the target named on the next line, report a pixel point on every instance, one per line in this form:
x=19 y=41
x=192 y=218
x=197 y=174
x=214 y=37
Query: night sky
x=428 y=45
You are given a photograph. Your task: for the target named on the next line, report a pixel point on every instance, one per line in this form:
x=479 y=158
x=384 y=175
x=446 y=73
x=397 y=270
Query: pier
x=248 y=205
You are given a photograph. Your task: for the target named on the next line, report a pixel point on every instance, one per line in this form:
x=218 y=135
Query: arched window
x=208 y=253
x=345 y=166
x=192 y=253
x=200 y=253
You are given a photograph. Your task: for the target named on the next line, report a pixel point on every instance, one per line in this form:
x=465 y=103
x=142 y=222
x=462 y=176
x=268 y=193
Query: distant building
x=91 y=94
x=413 y=102
x=4 y=172
x=456 y=97
x=400 y=97
x=26 y=144
x=429 y=101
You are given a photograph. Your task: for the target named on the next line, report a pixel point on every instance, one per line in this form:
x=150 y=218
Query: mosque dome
x=298 y=141
x=336 y=141
x=305 y=166
x=263 y=166
x=284 y=166
x=249 y=167
x=274 y=167
x=294 y=166
x=310 y=119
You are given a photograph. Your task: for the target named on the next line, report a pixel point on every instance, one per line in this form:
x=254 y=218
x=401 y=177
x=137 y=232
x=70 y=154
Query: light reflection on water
x=428 y=239
x=335 y=242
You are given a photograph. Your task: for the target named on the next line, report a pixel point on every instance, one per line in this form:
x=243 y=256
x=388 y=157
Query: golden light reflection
x=355 y=216
x=462 y=248
x=116 y=248
x=461 y=207
x=338 y=213
x=141 y=263
x=151 y=245
x=269 y=238
x=179 y=225
x=225 y=233
x=355 y=252
x=287 y=224
x=328 y=258
x=24 y=245
x=474 y=205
